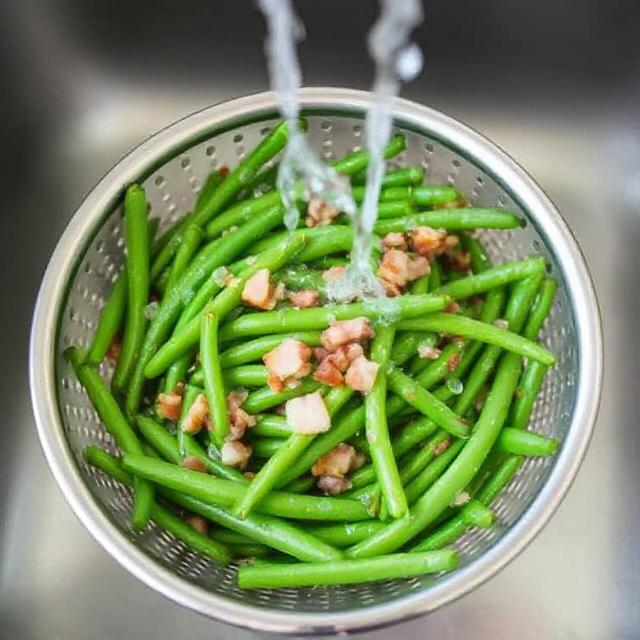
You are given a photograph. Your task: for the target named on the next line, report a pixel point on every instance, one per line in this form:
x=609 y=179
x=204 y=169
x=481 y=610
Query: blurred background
x=555 y=84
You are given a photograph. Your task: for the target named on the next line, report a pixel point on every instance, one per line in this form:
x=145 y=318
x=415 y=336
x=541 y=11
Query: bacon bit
x=287 y=362
x=223 y=171
x=169 y=405
x=358 y=461
x=453 y=361
x=362 y=374
x=501 y=323
x=337 y=463
x=196 y=415
x=328 y=373
x=394 y=268
x=418 y=266
x=259 y=291
x=395 y=240
x=320 y=213
x=344 y=331
x=193 y=463
x=320 y=353
x=432 y=242
x=113 y=352
x=428 y=352
x=305 y=298
x=334 y=273
x=331 y=485
x=239 y=419
x=198 y=523
x=308 y=414
x=249 y=474
x=235 y=453
x=441 y=447
x=459 y=260
x=452 y=307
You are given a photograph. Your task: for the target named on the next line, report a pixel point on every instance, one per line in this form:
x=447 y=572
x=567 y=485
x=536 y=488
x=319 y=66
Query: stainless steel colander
x=172 y=165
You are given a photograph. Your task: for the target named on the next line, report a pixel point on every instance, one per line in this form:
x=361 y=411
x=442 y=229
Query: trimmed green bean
x=163 y=517
x=319 y=318
x=265 y=398
x=266 y=447
x=137 y=265
x=476 y=514
x=109 y=412
x=225 y=493
x=213 y=382
x=191 y=239
x=344 y=534
x=397 y=178
x=526 y=443
x=483 y=332
x=400 y=565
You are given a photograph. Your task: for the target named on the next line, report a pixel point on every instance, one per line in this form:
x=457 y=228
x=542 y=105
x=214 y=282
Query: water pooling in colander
x=396 y=59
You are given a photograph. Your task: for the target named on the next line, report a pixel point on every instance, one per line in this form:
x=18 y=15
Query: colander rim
x=138 y=162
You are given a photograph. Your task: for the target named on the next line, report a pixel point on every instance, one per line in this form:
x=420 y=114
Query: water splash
x=396 y=60
x=302 y=174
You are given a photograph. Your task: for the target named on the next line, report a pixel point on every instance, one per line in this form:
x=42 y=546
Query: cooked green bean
x=525 y=443
x=319 y=318
x=476 y=330
x=267 y=447
x=191 y=239
x=265 y=398
x=451 y=219
x=399 y=565
x=213 y=382
x=396 y=178
x=163 y=517
x=109 y=412
x=225 y=493
x=222 y=305
x=344 y=534
x=137 y=265
x=407 y=343
x=477 y=515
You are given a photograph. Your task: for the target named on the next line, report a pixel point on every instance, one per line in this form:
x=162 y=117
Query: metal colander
x=172 y=166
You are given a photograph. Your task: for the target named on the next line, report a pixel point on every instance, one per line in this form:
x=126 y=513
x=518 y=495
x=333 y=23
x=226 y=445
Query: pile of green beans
x=440 y=433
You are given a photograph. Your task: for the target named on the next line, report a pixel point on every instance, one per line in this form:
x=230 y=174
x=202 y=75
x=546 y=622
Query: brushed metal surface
x=75 y=108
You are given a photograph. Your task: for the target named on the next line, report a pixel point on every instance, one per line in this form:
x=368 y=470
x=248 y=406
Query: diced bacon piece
x=198 y=523
x=304 y=299
x=235 y=453
x=113 y=352
x=169 y=405
x=288 y=361
x=395 y=240
x=453 y=361
x=431 y=242
x=337 y=462
x=358 y=461
x=239 y=419
x=441 y=447
x=418 y=266
x=328 y=373
x=362 y=374
x=394 y=268
x=195 y=417
x=334 y=273
x=331 y=485
x=320 y=353
x=308 y=414
x=459 y=260
x=193 y=463
x=344 y=331
x=343 y=356
x=320 y=213
x=453 y=307
x=260 y=292
x=428 y=352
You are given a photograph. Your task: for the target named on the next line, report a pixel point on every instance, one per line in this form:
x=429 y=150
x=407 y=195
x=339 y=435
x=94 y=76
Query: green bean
x=266 y=447
x=223 y=492
x=431 y=504
x=137 y=242
x=273 y=532
x=417 y=396
x=254 y=349
x=163 y=517
x=296 y=277
x=190 y=242
x=189 y=335
x=177 y=372
x=400 y=565
x=242 y=175
x=421 y=285
x=359 y=160
x=319 y=318
x=302 y=485
x=540 y=309
x=526 y=443
x=480 y=260
x=271 y=426
x=321 y=241
x=109 y=412
x=210 y=257
x=395 y=209
x=251 y=375
x=493 y=277
x=451 y=219
x=407 y=343
x=286 y=454
x=230 y=537
x=213 y=382
x=377 y=429
x=344 y=534
x=440 y=367
x=265 y=398
x=241 y=212
x=396 y=178
x=476 y=330
x=211 y=183
x=173 y=451
x=476 y=514
x=435 y=276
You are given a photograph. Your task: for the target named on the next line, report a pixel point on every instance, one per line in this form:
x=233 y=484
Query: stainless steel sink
x=87 y=80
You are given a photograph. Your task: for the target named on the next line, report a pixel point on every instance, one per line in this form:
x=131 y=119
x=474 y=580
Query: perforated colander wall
x=171 y=190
